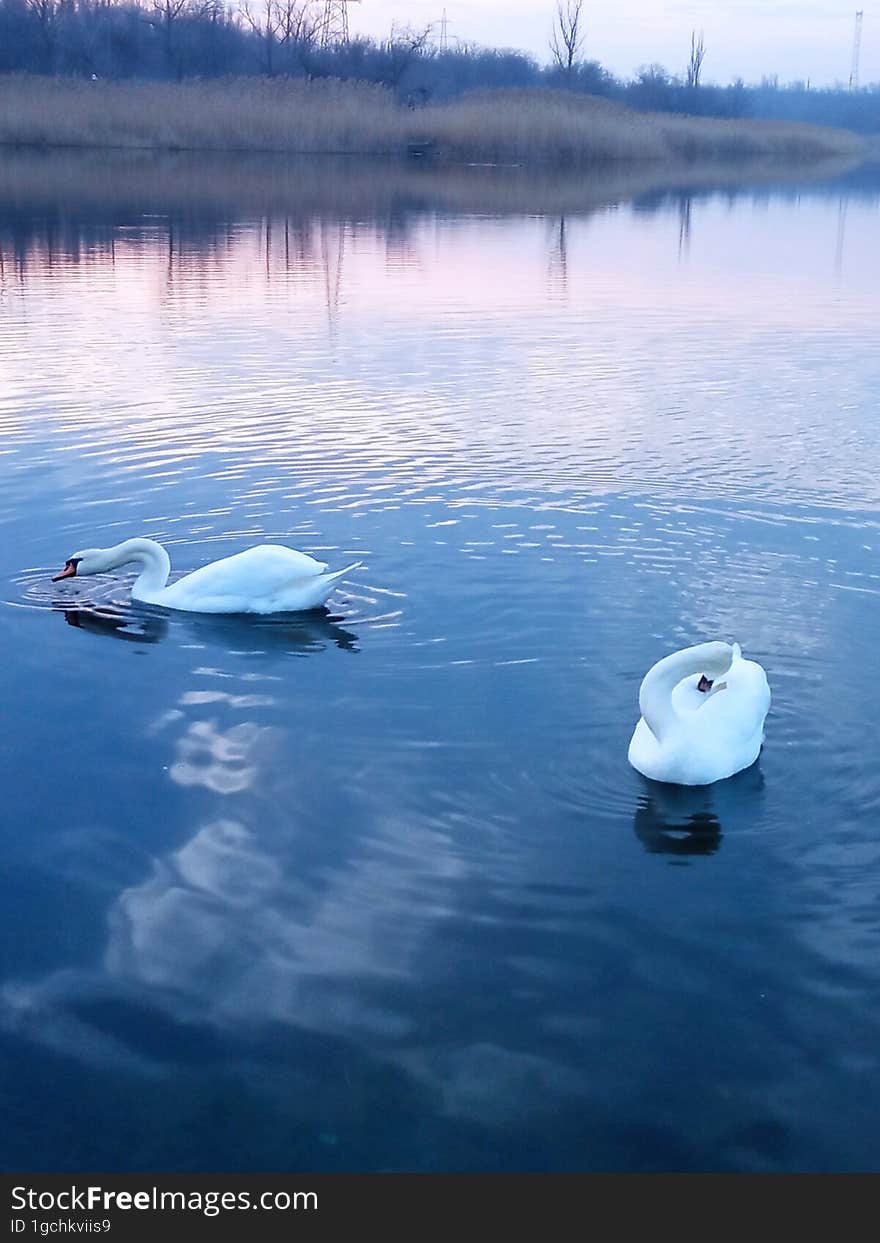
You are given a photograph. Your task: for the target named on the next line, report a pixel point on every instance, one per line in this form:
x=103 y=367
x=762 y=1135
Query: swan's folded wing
x=737 y=712
x=256 y=573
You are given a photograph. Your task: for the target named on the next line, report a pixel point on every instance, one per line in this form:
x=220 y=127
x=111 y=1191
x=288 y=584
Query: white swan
x=266 y=579
x=695 y=728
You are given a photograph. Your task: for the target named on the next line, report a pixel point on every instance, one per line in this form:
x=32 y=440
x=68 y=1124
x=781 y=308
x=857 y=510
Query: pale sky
x=792 y=38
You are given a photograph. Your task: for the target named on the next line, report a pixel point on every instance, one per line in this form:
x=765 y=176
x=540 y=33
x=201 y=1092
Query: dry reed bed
x=327 y=116
x=576 y=129
x=231 y=115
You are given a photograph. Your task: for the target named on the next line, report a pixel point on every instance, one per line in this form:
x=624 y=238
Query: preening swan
x=266 y=579
x=703 y=711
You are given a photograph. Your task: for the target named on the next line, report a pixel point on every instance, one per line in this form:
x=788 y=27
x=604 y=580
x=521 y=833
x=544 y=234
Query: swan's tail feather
x=311 y=591
x=737 y=652
x=322 y=584
x=335 y=574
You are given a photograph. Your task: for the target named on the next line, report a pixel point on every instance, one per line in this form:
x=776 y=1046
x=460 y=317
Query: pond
x=374 y=887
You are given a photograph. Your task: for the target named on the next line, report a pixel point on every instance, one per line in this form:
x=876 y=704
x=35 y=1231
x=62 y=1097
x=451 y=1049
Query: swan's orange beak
x=69 y=571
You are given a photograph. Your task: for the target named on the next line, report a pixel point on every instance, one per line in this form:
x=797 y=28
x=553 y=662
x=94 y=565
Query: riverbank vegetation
x=174 y=40
x=328 y=116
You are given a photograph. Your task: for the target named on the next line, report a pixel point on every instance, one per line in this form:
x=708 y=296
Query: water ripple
x=390 y=856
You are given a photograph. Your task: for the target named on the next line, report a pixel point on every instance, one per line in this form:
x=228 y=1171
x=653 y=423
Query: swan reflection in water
x=301 y=633
x=117 y=623
x=690 y=828
x=686 y=820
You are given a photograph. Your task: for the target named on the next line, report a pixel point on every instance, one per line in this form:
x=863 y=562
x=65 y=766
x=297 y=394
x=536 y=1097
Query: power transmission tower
x=857 y=43
x=334 y=27
x=444 y=36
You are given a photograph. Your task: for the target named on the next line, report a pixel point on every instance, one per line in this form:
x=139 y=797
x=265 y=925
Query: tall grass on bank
x=236 y=114
x=329 y=116
x=581 y=129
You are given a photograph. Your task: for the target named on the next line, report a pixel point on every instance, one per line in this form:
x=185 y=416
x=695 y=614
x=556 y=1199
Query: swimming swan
x=695 y=728
x=266 y=579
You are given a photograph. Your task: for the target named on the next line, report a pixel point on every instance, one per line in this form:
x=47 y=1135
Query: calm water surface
x=375 y=888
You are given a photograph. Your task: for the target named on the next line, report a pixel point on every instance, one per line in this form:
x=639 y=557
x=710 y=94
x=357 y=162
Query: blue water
x=375 y=888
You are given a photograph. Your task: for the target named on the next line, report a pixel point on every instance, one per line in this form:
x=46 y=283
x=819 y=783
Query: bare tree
x=48 y=14
x=299 y=27
x=265 y=21
x=568 y=35
x=290 y=24
x=695 y=64
x=405 y=45
x=166 y=14
x=299 y=22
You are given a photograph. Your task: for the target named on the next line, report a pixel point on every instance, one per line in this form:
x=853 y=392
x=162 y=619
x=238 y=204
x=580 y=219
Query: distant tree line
x=178 y=39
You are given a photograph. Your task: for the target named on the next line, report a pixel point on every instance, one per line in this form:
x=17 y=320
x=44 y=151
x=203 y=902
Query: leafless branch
x=695 y=64
x=568 y=35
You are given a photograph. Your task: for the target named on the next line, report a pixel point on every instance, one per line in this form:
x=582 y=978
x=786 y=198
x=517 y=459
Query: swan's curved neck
x=153 y=559
x=655 y=693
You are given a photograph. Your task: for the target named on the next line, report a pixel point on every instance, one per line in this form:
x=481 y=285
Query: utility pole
x=857 y=43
